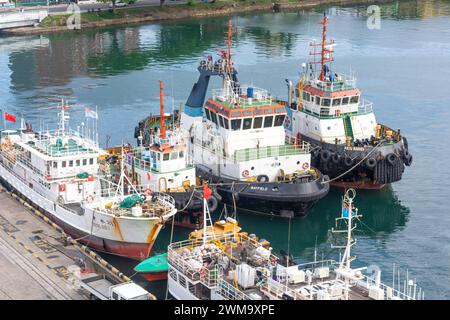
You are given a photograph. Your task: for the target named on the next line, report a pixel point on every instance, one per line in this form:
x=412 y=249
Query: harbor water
x=403 y=67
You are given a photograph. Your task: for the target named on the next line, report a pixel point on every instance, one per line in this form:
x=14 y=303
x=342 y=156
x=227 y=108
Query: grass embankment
x=192 y=8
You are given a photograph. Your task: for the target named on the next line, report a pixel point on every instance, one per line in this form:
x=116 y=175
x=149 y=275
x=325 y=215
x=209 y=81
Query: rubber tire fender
x=371 y=163
x=390 y=158
x=335 y=158
x=408 y=160
x=325 y=155
x=348 y=161
x=212 y=203
x=262 y=178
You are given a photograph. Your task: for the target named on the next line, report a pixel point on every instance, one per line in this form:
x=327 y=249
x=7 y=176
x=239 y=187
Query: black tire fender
x=371 y=163
x=262 y=178
x=408 y=160
x=212 y=203
x=335 y=158
x=390 y=158
x=348 y=161
x=325 y=155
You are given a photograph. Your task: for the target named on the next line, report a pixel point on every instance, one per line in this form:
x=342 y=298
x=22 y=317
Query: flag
x=89 y=113
x=10 y=117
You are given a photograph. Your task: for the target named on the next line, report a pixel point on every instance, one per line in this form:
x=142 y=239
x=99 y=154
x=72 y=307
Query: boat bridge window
x=226 y=123
x=345 y=100
x=324 y=111
x=268 y=121
x=55 y=164
x=257 y=122
x=247 y=124
x=236 y=124
x=279 y=120
x=220 y=120
x=318 y=101
x=91 y=161
x=306 y=96
x=174 y=155
x=84 y=162
x=78 y=163
x=64 y=163
x=354 y=99
x=326 y=102
x=214 y=117
x=70 y=163
x=208 y=114
x=336 y=102
x=166 y=156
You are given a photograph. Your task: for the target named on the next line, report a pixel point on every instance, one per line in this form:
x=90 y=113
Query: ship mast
x=326 y=49
x=161 y=112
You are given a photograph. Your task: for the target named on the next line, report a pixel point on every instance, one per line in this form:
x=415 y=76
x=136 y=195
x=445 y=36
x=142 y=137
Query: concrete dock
x=34 y=262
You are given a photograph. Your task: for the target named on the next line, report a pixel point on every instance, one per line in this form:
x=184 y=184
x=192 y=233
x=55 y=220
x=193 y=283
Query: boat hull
x=115 y=234
x=154 y=276
x=282 y=199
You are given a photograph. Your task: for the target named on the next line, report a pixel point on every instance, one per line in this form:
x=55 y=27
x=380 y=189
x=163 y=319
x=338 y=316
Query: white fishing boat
x=58 y=173
x=235 y=266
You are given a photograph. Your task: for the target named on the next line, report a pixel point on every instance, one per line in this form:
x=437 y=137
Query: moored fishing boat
x=162 y=164
x=325 y=109
x=237 y=142
x=57 y=172
x=235 y=266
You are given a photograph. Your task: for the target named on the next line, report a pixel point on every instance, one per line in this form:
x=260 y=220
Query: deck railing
x=270 y=151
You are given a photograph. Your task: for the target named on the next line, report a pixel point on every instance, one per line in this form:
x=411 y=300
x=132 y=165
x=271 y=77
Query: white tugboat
x=237 y=141
x=326 y=110
x=235 y=266
x=57 y=172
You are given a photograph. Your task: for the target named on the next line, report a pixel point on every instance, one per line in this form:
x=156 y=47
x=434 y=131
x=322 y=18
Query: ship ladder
x=348 y=127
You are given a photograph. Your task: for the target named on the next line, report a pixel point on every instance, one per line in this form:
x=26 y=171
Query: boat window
x=236 y=124
x=324 y=111
x=78 y=163
x=70 y=163
x=354 y=99
x=326 y=102
x=208 y=114
x=247 y=124
x=226 y=123
x=159 y=156
x=181 y=154
x=166 y=156
x=174 y=155
x=214 y=117
x=268 y=121
x=336 y=102
x=279 y=120
x=55 y=164
x=345 y=100
x=257 y=123
x=220 y=120
x=64 y=163
x=182 y=281
x=297 y=93
x=318 y=101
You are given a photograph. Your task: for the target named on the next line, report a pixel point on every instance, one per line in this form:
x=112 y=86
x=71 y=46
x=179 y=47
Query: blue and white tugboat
x=237 y=141
x=325 y=109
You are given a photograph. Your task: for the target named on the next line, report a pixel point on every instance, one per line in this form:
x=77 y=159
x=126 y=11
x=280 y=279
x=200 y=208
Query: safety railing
x=270 y=151
x=230 y=292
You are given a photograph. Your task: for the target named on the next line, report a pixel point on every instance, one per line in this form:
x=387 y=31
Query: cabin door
x=162 y=184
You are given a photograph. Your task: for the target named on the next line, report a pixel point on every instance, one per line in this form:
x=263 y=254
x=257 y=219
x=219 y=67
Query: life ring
x=348 y=161
x=245 y=173
x=262 y=178
x=212 y=203
x=371 y=163
x=305 y=166
x=325 y=155
x=90 y=198
x=390 y=158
